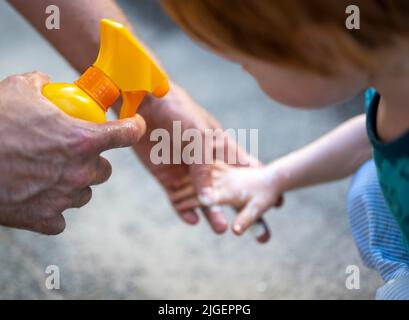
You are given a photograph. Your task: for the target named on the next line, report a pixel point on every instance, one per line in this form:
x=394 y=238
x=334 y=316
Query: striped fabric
x=394 y=290
x=377 y=234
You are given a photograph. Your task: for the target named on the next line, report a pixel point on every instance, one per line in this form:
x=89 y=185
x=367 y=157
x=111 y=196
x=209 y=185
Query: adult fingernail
x=190 y=217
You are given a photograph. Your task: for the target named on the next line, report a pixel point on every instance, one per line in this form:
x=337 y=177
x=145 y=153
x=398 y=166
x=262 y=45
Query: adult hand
x=185 y=184
x=48 y=160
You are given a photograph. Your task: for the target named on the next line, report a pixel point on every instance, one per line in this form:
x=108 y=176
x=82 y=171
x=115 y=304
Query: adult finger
x=81 y=198
x=202 y=181
x=36 y=79
x=280 y=202
x=52 y=226
x=180 y=182
x=103 y=171
x=190 y=217
x=215 y=216
x=260 y=231
x=187 y=204
x=183 y=193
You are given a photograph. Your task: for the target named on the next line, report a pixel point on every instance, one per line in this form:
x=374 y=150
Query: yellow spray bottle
x=122 y=67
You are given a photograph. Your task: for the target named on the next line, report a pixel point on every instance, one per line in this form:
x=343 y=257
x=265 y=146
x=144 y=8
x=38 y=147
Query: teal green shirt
x=392 y=163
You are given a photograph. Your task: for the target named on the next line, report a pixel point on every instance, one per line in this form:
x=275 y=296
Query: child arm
x=334 y=156
x=254 y=190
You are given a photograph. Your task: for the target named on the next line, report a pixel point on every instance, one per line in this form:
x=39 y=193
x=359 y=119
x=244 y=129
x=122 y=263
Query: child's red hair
x=279 y=30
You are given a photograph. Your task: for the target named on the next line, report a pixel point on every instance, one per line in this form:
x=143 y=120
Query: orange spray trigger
x=126 y=63
x=130 y=103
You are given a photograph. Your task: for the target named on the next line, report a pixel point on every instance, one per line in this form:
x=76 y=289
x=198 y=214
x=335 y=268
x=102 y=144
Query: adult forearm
x=334 y=156
x=78 y=37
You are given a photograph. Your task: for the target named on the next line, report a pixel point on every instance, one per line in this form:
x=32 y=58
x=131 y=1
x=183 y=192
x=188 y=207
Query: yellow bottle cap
x=96 y=84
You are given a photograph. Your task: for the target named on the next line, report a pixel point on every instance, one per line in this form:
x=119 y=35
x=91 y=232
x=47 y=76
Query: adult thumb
x=117 y=134
x=36 y=79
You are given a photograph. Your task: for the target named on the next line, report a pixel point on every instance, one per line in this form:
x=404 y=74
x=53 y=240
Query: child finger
x=250 y=214
x=219 y=196
x=201 y=179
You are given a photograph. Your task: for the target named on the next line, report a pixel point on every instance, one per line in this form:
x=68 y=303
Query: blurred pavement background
x=128 y=243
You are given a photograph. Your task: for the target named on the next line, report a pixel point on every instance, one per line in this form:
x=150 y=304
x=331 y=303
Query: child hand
x=251 y=190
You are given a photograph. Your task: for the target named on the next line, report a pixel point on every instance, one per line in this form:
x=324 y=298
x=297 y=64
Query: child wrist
x=277 y=176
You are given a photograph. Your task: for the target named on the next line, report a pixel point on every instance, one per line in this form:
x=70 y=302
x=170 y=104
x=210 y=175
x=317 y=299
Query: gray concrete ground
x=127 y=243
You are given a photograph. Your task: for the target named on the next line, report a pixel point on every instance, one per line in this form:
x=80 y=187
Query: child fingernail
x=238 y=229
x=204 y=200
x=216 y=209
x=206 y=197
